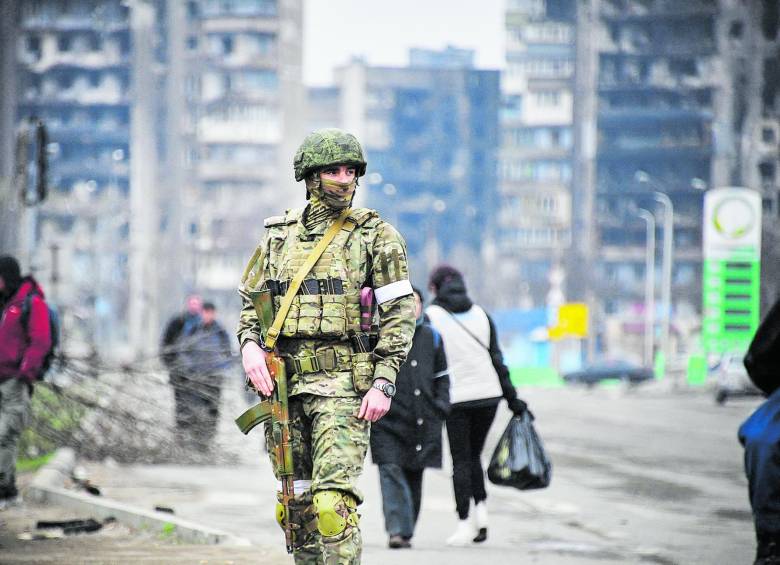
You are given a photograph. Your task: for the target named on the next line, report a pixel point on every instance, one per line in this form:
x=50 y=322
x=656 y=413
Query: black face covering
x=452 y=295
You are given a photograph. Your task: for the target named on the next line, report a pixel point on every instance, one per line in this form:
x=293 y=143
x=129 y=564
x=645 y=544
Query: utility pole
x=10 y=207
x=143 y=199
x=582 y=266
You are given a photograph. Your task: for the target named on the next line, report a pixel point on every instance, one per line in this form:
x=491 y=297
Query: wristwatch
x=387 y=388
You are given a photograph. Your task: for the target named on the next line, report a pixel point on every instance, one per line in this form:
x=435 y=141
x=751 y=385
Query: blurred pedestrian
x=478 y=380
x=207 y=356
x=408 y=438
x=177 y=345
x=760 y=435
x=25 y=340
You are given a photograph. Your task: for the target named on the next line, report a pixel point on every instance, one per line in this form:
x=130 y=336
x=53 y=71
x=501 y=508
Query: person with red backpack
x=25 y=343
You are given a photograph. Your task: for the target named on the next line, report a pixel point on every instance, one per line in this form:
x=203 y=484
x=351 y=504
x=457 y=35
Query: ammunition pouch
x=315 y=316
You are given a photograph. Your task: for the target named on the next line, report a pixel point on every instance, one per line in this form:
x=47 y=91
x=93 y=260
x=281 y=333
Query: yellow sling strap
x=276 y=328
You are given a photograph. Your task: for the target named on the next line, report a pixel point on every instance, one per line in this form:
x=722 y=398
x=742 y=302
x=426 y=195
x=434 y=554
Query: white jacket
x=472 y=376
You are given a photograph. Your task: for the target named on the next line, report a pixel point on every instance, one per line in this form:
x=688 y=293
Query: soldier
x=341 y=365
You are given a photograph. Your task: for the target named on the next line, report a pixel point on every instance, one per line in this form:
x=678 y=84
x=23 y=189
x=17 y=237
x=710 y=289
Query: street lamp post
x=666 y=266
x=649 y=285
x=666 y=272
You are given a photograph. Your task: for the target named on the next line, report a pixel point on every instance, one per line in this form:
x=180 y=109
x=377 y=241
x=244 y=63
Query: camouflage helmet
x=326 y=147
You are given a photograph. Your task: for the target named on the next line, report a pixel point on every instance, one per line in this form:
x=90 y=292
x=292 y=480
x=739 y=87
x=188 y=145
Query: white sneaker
x=464 y=534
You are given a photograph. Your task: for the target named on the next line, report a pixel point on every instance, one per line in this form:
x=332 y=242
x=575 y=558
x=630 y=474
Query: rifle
x=277 y=406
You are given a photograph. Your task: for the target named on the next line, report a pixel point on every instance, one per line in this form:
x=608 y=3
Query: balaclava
x=325 y=205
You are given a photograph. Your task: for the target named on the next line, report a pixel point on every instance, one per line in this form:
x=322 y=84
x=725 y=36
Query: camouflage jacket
x=372 y=254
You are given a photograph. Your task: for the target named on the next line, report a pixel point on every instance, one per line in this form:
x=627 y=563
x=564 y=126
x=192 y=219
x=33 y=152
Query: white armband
x=393 y=290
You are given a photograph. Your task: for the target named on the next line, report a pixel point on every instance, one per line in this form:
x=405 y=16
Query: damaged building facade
x=535 y=166
x=672 y=98
x=430 y=131
x=167 y=123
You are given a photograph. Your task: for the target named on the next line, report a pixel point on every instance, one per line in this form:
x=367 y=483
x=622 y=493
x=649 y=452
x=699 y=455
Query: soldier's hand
x=375 y=405
x=253 y=359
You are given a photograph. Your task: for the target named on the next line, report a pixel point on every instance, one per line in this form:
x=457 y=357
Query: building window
x=227 y=44
x=63 y=43
x=93 y=42
x=192 y=42
x=736 y=29
x=239 y=8
x=548 y=98
x=767 y=172
x=768 y=135
x=33 y=43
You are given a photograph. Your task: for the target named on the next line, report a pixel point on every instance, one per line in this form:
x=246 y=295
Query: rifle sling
x=284 y=308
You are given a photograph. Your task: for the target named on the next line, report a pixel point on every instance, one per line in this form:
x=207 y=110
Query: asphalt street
x=641 y=475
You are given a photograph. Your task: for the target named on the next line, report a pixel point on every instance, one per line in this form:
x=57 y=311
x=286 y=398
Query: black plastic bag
x=519 y=459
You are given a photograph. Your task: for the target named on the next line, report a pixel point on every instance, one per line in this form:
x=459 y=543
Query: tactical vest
x=328 y=303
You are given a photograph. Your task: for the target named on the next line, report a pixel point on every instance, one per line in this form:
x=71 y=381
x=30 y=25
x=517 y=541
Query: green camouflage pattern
x=374 y=252
x=329 y=448
x=326 y=147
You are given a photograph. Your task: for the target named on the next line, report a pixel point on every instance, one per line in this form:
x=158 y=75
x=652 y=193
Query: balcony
x=636 y=10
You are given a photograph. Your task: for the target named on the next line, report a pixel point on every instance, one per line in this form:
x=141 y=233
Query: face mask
x=337 y=194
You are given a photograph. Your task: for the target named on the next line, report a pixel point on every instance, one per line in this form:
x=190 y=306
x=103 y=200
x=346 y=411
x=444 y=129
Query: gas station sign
x=732 y=268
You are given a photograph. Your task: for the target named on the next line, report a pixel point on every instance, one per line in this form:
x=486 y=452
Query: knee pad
x=335 y=512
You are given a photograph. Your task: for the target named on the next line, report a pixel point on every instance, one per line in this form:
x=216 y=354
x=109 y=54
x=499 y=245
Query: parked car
x=732 y=378
x=610 y=369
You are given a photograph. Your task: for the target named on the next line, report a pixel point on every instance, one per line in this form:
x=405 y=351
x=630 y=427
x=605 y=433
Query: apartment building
x=430 y=131
x=172 y=127
x=535 y=168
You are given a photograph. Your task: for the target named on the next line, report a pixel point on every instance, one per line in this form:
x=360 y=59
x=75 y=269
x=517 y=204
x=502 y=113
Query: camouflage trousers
x=14 y=413
x=329 y=447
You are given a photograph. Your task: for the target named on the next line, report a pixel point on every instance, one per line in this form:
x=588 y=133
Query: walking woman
x=407 y=439
x=478 y=381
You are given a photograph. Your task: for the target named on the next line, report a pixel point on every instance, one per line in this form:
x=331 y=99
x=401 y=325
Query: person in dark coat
x=24 y=345
x=408 y=438
x=176 y=346
x=760 y=435
x=208 y=357
x=196 y=350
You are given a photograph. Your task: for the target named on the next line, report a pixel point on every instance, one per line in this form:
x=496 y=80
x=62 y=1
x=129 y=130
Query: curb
x=47 y=487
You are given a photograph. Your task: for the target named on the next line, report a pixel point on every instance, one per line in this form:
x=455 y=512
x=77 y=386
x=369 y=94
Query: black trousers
x=467 y=429
x=197 y=410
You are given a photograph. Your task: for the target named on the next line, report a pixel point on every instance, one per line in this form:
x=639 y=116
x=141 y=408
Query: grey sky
x=382 y=31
